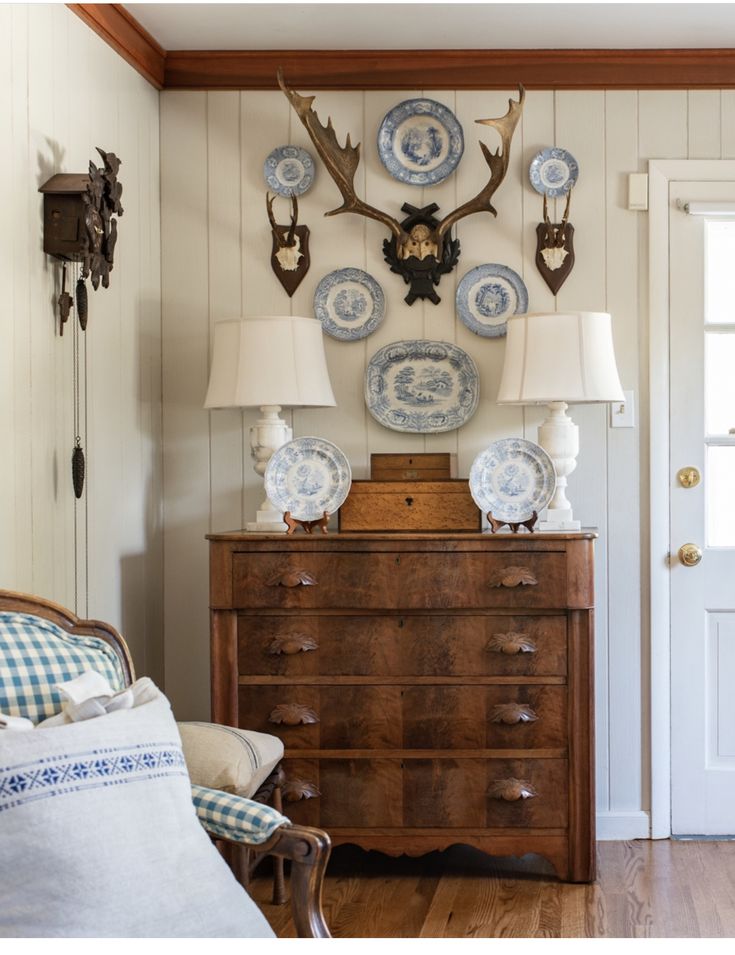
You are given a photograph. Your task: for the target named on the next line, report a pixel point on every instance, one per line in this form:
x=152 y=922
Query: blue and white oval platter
x=422 y=386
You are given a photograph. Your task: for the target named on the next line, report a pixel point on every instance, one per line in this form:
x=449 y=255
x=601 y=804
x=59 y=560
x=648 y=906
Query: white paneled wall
x=63 y=91
x=216 y=250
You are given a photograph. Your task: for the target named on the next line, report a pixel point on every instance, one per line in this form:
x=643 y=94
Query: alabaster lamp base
x=559 y=437
x=268 y=434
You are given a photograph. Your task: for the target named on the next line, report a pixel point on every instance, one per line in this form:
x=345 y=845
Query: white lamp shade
x=559 y=356
x=269 y=360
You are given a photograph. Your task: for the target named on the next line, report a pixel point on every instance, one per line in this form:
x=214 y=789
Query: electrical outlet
x=622 y=413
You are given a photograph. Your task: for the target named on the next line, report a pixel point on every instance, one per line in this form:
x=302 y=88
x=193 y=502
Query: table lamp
x=558 y=359
x=269 y=362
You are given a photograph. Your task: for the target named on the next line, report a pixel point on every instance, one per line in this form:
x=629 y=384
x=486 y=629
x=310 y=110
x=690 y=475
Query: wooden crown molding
x=126 y=36
x=396 y=69
x=452 y=69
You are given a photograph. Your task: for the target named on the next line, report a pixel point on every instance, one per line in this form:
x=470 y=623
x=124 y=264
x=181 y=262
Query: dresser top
x=586 y=533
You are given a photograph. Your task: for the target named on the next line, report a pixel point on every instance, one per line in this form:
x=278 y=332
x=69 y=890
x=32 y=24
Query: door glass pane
x=719 y=271
x=719 y=380
x=721 y=497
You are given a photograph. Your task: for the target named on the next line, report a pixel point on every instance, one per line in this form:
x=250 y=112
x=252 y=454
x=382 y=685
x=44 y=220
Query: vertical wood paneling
x=727 y=123
x=8 y=323
x=705 y=111
x=580 y=128
x=185 y=324
x=48 y=57
x=22 y=462
x=623 y=494
x=224 y=228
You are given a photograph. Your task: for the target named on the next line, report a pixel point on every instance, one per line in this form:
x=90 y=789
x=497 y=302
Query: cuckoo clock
x=79 y=226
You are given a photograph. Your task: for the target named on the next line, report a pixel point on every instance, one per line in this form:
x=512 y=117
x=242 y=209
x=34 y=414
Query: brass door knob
x=690 y=555
x=688 y=477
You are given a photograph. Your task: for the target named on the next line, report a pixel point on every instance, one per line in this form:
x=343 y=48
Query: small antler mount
x=290 y=258
x=421 y=248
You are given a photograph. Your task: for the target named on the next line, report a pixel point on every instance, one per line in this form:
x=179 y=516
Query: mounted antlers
x=290 y=254
x=424 y=239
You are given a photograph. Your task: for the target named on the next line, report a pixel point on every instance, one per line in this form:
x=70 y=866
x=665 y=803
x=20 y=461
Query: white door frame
x=661 y=172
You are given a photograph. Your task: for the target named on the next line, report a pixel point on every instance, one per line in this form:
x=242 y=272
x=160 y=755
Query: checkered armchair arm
x=235 y=818
x=261 y=828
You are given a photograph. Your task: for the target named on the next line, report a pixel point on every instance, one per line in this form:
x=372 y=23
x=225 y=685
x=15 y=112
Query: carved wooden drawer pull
x=293 y=714
x=291 y=578
x=510 y=713
x=513 y=577
x=511 y=643
x=295 y=789
x=511 y=789
x=292 y=643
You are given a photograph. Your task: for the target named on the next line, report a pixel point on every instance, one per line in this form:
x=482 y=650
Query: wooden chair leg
x=279 y=878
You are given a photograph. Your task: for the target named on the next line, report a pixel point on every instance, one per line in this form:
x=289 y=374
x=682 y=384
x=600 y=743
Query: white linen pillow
x=100 y=838
x=228 y=758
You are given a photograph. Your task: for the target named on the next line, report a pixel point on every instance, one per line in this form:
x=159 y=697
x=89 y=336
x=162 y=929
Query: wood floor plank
x=645 y=889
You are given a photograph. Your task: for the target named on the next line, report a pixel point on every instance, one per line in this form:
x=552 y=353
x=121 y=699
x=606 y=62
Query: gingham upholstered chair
x=42 y=644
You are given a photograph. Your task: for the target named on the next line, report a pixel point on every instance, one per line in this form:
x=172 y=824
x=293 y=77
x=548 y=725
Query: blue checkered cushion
x=35 y=654
x=235 y=817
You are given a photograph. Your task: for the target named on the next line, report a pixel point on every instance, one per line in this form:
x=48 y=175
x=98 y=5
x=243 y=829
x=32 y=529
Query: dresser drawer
x=446 y=793
x=390 y=580
x=408 y=717
x=395 y=645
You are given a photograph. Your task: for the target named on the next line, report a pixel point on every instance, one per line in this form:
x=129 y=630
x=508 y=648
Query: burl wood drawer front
x=426 y=580
x=441 y=793
x=422 y=645
x=408 y=717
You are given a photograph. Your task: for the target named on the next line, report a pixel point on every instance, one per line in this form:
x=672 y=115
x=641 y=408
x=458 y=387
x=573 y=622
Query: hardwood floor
x=644 y=889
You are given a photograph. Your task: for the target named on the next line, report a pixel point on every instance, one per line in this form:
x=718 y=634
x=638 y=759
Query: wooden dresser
x=430 y=689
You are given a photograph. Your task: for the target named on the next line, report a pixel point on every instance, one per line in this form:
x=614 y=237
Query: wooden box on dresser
x=430 y=689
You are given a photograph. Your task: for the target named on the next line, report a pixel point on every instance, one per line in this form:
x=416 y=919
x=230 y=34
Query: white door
x=702 y=429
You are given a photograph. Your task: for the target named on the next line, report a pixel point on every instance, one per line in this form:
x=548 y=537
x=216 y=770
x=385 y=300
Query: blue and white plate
x=420 y=142
x=289 y=170
x=512 y=478
x=553 y=171
x=487 y=296
x=308 y=476
x=422 y=386
x=349 y=303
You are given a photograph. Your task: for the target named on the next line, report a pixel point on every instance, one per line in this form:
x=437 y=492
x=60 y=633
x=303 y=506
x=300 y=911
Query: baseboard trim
x=614 y=826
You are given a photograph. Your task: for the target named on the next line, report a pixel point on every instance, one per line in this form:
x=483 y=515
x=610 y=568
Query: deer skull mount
x=421 y=248
x=290 y=254
x=554 y=248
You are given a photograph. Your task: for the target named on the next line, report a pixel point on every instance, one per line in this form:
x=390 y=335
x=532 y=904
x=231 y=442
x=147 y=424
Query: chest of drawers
x=430 y=689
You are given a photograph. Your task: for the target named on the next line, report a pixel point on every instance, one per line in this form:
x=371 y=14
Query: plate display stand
x=495 y=525
x=293 y=522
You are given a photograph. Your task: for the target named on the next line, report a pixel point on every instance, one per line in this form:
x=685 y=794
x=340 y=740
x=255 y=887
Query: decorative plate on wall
x=487 y=296
x=308 y=476
x=553 y=171
x=349 y=303
x=420 y=142
x=512 y=478
x=289 y=170
x=422 y=386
